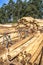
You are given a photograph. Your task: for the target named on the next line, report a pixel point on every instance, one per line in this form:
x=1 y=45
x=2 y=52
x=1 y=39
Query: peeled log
x=21 y=25
x=40 y=24
x=5 y=52
x=38 y=59
x=13 y=36
x=37 y=53
x=39 y=20
x=29 y=43
x=34 y=45
x=7 y=32
x=19 y=43
x=15 y=52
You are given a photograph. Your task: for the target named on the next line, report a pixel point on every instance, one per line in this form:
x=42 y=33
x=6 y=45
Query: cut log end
x=9 y=57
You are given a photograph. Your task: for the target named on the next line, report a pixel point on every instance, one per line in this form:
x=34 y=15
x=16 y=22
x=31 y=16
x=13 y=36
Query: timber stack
x=22 y=43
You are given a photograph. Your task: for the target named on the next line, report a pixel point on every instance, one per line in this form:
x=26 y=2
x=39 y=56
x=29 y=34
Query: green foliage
x=12 y=11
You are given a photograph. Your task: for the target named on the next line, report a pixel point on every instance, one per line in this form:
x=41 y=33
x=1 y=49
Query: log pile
x=27 y=42
x=30 y=52
x=33 y=52
x=24 y=26
x=35 y=23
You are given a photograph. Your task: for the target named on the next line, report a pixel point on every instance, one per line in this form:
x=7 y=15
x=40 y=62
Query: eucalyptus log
x=27 y=45
x=6 y=52
x=20 y=43
x=23 y=47
x=34 y=45
x=37 y=60
x=36 y=53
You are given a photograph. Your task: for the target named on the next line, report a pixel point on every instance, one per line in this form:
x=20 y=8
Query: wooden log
x=41 y=58
x=6 y=52
x=21 y=25
x=40 y=24
x=13 y=36
x=27 y=19
x=37 y=53
x=6 y=25
x=42 y=61
x=33 y=45
x=20 y=43
x=39 y=20
x=33 y=50
x=22 y=48
x=27 y=45
x=7 y=31
x=37 y=60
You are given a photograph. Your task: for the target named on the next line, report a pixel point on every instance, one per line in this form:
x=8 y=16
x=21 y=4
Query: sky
x=4 y=1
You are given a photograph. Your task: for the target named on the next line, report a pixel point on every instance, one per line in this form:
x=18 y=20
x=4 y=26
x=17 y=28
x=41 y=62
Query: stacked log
x=36 y=54
x=32 y=55
x=31 y=50
x=13 y=53
x=28 y=41
x=19 y=43
x=29 y=20
x=26 y=19
x=25 y=24
x=37 y=60
x=9 y=51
